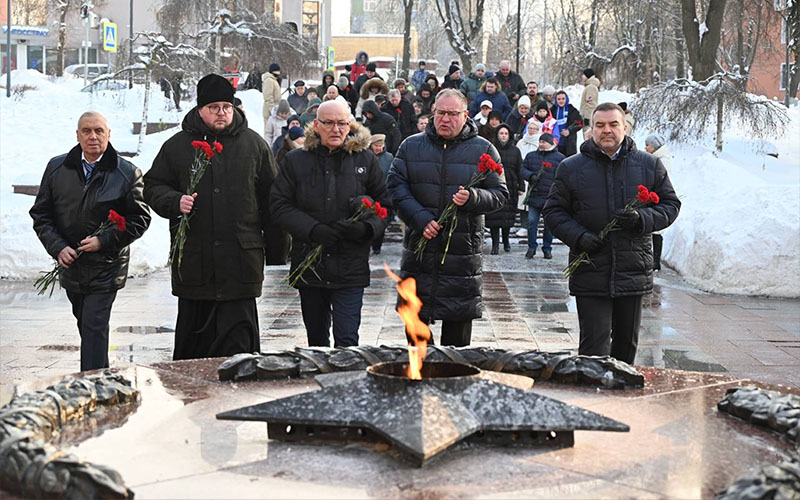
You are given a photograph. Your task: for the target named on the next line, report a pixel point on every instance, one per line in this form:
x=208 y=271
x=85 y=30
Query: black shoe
x=507 y=247
x=530 y=253
x=548 y=255
x=495 y=249
x=376 y=251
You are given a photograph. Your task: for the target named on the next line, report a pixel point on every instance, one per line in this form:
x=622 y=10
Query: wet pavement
x=527 y=307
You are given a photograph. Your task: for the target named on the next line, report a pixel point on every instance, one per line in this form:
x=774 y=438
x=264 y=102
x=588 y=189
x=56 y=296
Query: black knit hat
x=588 y=72
x=453 y=68
x=214 y=88
x=348 y=67
x=548 y=138
x=495 y=114
x=274 y=67
x=542 y=105
x=623 y=105
x=371 y=67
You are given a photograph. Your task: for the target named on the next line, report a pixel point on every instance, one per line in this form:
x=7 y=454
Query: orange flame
x=417 y=330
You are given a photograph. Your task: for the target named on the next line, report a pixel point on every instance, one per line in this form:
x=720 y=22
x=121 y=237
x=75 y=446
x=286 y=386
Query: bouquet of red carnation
x=48 y=279
x=203 y=152
x=448 y=218
x=366 y=208
x=546 y=165
x=644 y=197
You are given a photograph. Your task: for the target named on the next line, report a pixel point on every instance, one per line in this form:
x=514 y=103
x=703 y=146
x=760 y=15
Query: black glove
x=354 y=231
x=628 y=219
x=589 y=242
x=326 y=235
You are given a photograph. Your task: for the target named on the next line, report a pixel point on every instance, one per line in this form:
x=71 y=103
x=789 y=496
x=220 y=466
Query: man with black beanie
x=370 y=73
x=221 y=271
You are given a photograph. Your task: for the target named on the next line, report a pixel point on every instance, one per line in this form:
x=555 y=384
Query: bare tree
x=747 y=21
x=29 y=12
x=62 y=8
x=702 y=39
x=463 y=22
x=792 y=18
x=408 y=10
x=716 y=101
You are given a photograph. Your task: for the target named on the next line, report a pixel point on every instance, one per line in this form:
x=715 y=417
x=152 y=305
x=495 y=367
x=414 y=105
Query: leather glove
x=628 y=219
x=589 y=242
x=325 y=234
x=354 y=231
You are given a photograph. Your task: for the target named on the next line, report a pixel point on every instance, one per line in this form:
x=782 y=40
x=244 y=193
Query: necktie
x=89 y=169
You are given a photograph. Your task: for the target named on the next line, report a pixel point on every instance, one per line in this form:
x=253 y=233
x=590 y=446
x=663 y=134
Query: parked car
x=94 y=70
x=116 y=81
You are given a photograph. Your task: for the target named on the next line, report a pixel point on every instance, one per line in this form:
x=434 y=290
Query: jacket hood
x=329 y=73
x=661 y=152
x=374 y=82
x=194 y=124
x=469 y=131
x=358 y=55
x=357 y=140
x=371 y=107
x=496 y=140
x=593 y=81
x=592 y=150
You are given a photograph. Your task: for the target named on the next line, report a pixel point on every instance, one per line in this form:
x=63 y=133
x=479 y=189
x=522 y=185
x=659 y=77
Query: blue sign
x=110 y=37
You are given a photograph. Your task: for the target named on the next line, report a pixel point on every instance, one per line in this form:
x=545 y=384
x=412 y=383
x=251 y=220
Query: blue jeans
x=533 y=225
x=343 y=304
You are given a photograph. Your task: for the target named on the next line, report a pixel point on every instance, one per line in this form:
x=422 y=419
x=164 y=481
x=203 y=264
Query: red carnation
x=366 y=203
x=197 y=144
x=641 y=188
x=383 y=213
x=117 y=220
x=547 y=164
x=654 y=197
x=218 y=147
x=644 y=196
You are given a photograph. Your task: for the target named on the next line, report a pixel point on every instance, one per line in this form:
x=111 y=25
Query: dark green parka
x=230 y=229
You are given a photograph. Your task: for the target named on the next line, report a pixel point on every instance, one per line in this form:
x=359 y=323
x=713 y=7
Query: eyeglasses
x=215 y=108
x=451 y=114
x=330 y=124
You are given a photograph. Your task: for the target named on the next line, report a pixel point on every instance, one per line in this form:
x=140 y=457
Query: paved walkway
x=528 y=307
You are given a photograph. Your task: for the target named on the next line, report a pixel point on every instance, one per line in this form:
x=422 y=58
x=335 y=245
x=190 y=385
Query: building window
x=785 y=76
x=783 y=30
x=370 y=5
x=36 y=58
x=311 y=20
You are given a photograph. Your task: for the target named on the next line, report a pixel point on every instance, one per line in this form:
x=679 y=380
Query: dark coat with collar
x=425 y=175
x=588 y=188
x=511 y=159
x=230 y=229
x=315 y=186
x=382 y=123
x=67 y=210
x=403 y=115
x=539 y=186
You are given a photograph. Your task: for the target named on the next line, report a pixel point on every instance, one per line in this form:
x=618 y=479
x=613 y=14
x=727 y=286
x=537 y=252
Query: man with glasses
x=429 y=171
x=230 y=230
x=319 y=187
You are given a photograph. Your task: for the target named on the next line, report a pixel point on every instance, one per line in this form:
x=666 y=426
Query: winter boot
x=658 y=242
x=548 y=255
x=530 y=253
x=507 y=239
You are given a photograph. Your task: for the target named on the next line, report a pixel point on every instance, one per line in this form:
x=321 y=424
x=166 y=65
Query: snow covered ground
x=738 y=231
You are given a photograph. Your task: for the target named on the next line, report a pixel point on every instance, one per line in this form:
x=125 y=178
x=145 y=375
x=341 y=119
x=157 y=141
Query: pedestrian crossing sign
x=110 y=37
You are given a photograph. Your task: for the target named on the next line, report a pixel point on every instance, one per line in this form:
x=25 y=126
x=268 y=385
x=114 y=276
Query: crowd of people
x=353 y=142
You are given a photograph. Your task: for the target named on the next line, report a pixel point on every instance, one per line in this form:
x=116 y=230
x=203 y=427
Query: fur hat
x=214 y=88
x=588 y=72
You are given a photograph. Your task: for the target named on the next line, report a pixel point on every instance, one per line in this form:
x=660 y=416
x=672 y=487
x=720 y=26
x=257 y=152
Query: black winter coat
x=67 y=210
x=316 y=186
x=588 y=188
x=531 y=165
x=404 y=117
x=517 y=122
x=569 y=145
x=425 y=175
x=382 y=123
x=511 y=84
x=230 y=228
x=511 y=159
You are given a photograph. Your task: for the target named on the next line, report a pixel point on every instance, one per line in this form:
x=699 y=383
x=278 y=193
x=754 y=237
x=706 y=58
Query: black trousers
x=92 y=312
x=658 y=243
x=210 y=329
x=454 y=333
x=495 y=233
x=343 y=305
x=610 y=326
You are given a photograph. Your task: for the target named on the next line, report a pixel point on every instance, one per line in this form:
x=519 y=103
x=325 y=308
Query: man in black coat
x=317 y=189
x=589 y=190
x=510 y=82
x=402 y=111
x=429 y=171
x=76 y=193
x=379 y=122
x=230 y=229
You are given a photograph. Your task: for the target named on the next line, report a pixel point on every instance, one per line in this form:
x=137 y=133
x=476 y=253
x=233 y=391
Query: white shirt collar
x=83 y=158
